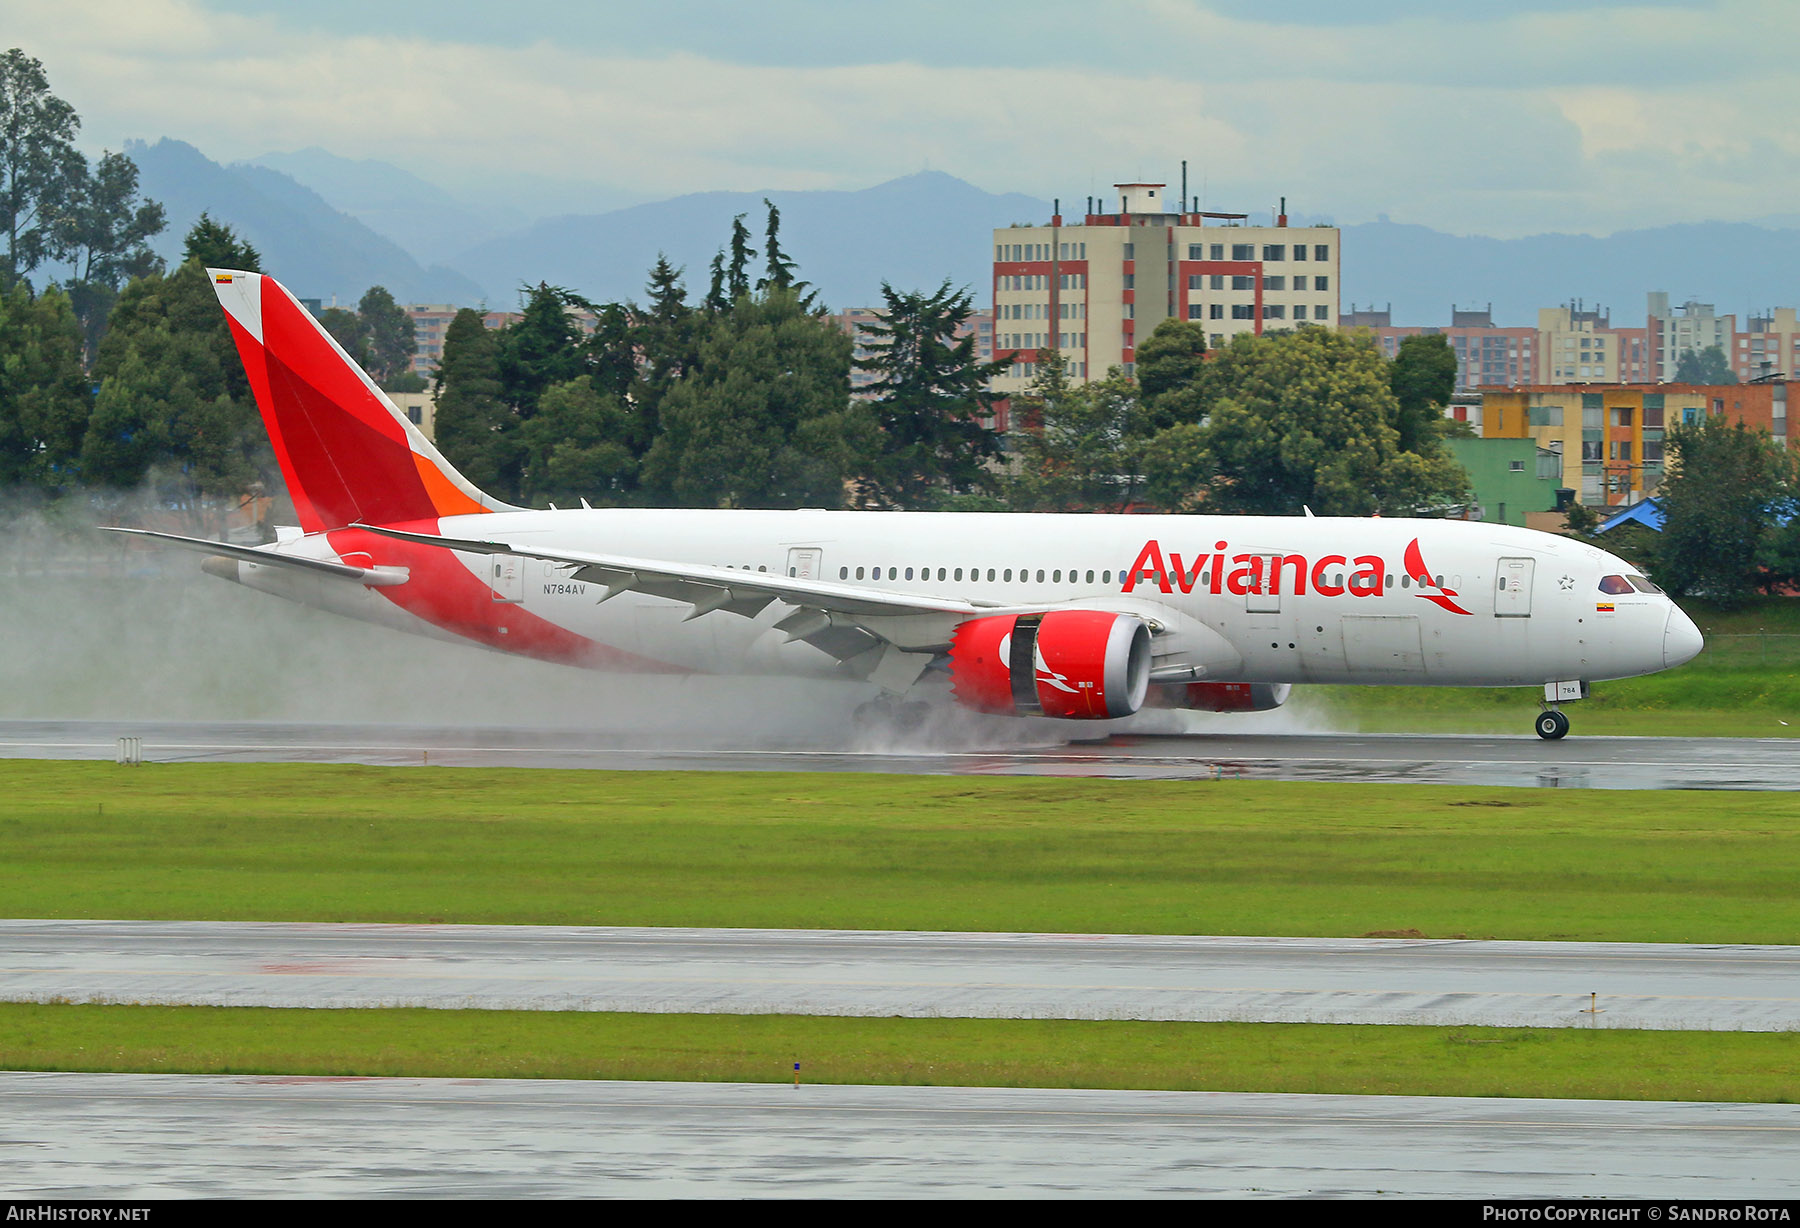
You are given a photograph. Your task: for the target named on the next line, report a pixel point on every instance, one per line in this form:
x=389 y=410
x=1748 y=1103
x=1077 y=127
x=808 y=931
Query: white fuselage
x=1470 y=605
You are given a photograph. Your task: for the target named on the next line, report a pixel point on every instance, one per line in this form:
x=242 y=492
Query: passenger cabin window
x=1614 y=585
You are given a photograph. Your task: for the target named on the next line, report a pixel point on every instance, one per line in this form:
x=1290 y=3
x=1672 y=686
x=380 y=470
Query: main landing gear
x=886 y=714
x=1552 y=723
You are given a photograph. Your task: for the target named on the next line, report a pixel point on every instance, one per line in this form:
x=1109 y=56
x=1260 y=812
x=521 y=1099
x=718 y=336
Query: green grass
x=1719 y=704
x=330 y=843
x=316 y=842
x=1579 y=1063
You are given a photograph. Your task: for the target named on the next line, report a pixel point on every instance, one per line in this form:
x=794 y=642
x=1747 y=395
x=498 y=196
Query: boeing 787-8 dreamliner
x=1069 y=616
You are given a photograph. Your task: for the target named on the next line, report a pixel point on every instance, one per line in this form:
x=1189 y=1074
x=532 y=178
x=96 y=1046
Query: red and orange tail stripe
x=347 y=454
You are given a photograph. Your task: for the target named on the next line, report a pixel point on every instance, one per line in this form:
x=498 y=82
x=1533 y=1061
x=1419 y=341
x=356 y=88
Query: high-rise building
x=1579 y=345
x=430 y=321
x=1769 y=348
x=1485 y=354
x=1091 y=291
x=1687 y=329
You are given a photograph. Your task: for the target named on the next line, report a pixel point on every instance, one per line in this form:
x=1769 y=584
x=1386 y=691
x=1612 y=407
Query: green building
x=1512 y=477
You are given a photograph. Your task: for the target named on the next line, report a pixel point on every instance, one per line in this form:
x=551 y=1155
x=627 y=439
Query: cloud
x=1505 y=120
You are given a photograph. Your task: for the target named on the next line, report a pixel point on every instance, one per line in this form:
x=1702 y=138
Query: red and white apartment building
x=1090 y=290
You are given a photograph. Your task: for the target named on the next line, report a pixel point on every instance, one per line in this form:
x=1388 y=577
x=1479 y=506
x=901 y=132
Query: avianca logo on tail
x=1263 y=573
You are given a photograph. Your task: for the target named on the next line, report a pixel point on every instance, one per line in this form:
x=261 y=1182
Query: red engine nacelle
x=1226 y=696
x=1074 y=664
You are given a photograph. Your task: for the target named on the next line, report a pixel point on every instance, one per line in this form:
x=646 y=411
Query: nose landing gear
x=1551 y=722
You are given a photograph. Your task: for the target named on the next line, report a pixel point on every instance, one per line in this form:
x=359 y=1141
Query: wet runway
x=171 y=1136
x=1578 y=762
x=918 y=975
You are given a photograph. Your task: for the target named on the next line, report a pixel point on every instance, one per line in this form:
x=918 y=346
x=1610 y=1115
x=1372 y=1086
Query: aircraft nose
x=1682 y=640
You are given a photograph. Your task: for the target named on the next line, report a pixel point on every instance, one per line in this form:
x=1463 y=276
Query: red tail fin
x=346 y=452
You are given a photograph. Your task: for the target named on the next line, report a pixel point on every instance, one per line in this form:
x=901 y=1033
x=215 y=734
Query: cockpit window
x=1642 y=585
x=1614 y=585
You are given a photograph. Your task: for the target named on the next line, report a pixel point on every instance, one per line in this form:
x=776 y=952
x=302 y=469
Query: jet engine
x=1073 y=664
x=1225 y=696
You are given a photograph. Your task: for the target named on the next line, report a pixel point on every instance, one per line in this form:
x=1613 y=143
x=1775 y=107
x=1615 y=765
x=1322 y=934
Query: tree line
x=117 y=374
x=743 y=399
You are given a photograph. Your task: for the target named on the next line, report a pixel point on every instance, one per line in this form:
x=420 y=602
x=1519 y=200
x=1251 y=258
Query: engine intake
x=1071 y=664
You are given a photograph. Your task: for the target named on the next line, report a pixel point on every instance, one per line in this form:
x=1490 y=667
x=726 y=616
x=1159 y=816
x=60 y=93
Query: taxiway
x=885 y=973
x=171 y=1136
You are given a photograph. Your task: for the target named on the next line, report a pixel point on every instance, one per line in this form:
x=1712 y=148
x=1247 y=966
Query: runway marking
x=1232 y=1116
x=629 y=985
x=1069 y=758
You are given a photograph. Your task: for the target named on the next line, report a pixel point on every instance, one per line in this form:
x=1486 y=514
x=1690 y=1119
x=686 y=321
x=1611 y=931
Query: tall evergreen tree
x=766 y=419
x=39 y=164
x=1423 y=377
x=665 y=337
x=737 y=273
x=104 y=234
x=474 y=422
x=931 y=401
x=543 y=348
x=174 y=407
x=388 y=333
x=214 y=245
x=779 y=273
x=45 y=397
x=716 y=300
x=612 y=349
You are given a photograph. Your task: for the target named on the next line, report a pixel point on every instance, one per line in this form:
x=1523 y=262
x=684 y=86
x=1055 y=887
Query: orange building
x=1610 y=437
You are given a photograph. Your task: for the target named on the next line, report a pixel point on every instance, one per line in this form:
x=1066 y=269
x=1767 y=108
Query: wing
x=889 y=638
x=377 y=576
x=845 y=620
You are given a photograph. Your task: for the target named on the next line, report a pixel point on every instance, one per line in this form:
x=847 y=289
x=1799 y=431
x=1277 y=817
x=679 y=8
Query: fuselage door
x=1512 y=588
x=804 y=562
x=506 y=575
x=1263 y=589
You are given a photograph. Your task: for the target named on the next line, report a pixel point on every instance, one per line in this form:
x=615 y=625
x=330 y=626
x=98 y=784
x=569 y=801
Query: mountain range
x=331 y=227
x=317 y=250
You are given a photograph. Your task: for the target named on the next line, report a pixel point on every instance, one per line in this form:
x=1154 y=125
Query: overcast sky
x=1505 y=117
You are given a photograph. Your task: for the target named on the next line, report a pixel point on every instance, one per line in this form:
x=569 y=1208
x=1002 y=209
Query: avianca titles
x=1071 y=616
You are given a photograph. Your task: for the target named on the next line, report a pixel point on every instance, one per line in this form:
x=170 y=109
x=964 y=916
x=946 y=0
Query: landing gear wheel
x=908 y=717
x=1552 y=724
